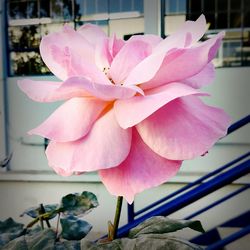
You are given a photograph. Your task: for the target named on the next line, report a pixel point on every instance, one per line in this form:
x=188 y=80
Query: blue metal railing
x=235 y=126
x=193 y=195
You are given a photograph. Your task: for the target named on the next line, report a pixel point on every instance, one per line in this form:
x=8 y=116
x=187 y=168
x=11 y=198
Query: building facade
x=23 y=22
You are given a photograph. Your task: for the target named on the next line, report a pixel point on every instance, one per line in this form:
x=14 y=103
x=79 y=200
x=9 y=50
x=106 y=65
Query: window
x=230 y=15
x=29 y=20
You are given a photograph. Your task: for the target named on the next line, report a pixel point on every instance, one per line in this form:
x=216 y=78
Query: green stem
x=44 y=217
x=117 y=217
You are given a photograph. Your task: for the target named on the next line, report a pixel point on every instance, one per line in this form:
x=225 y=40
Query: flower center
x=106 y=72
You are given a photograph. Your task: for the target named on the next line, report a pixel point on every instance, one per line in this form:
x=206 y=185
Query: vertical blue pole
x=131 y=213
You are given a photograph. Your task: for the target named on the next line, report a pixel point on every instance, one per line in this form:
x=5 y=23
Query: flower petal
x=179 y=64
x=189 y=33
x=57 y=50
x=92 y=33
x=203 y=78
x=141 y=170
x=184 y=128
x=80 y=85
x=115 y=45
x=132 y=111
x=153 y=40
x=105 y=146
x=130 y=55
x=72 y=120
x=41 y=91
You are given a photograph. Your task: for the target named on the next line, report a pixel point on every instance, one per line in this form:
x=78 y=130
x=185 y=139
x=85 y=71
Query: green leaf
x=160 y=225
x=74 y=228
x=145 y=242
x=34 y=211
x=44 y=239
x=78 y=204
x=9 y=230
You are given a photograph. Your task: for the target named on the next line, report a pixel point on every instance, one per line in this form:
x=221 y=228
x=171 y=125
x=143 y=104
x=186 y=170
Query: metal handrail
x=190 y=185
x=235 y=126
x=195 y=194
x=235 y=236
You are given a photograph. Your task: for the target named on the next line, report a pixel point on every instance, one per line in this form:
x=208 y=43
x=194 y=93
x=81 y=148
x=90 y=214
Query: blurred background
x=27 y=180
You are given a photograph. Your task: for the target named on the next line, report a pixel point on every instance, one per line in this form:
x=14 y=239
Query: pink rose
x=132 y=109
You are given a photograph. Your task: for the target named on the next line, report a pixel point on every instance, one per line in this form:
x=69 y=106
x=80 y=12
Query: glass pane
x=24 y=37
x=172 y=6
x=222 y=5
x=195 y=6
x=114 y=6
x=32 y=9
x=247 y=19
x=222 y=20
x=235 y=20
x=182 y=6
x=62 y=9
x=246 y=4
x=209 y=5
x=17 y=10
x=126 y=5
x=138 y=5
x=102 y=6
x=27 y=63
x=44 y=8
x=235 y=5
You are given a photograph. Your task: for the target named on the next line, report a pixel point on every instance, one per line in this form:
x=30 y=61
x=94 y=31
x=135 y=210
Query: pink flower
x=132 y=109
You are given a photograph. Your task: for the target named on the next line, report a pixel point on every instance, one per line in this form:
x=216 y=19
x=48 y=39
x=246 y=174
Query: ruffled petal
x=189 y=33
x=141 y=170
x=60 y=154
x=105 y=146
x=150 y=39
x=80 y=86
x=129 y=56
x=71 y=121
x=41 y=91
x=185 y=63
x=92 y=33
x=115 y=45
x=203 y=78
x=132 y=111
x=60 y=48
x=184 y=128
x=176 y=65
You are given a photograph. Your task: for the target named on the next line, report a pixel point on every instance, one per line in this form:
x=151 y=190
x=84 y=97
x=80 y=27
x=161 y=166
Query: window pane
x=222 y=21
x=27 y=63
x=222 y=5
x=102 y=6
x=32 y=9
x=62 y=9
x=195 y=6
x=247 y=19
x=182 y=6
x=24 y=37
x=209 y=5
x=235 y=20
x=138 y=5
x=235 y=5
x=44 y=8
x=114 y=6
x=17 y=10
